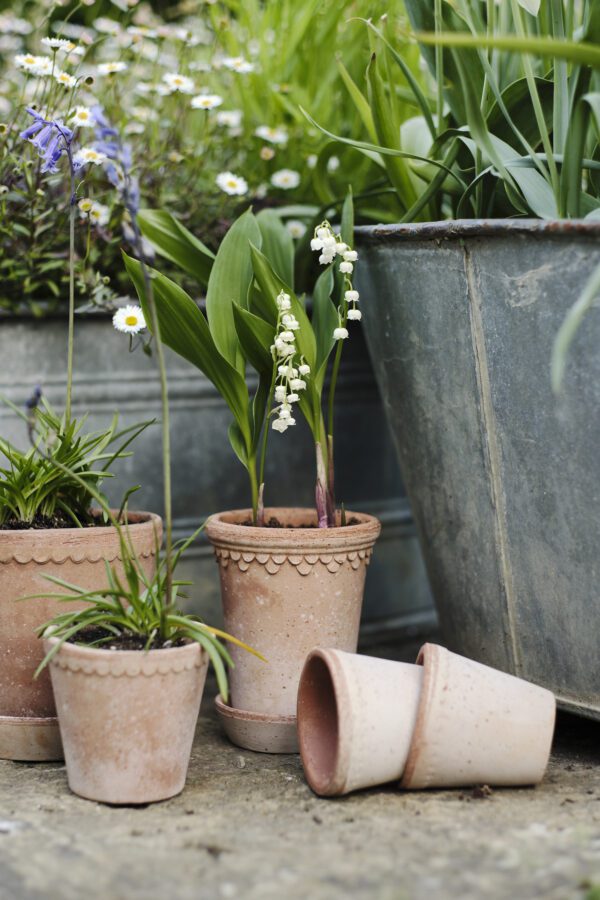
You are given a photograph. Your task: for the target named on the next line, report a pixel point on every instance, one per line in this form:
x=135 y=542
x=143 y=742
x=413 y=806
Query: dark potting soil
x=274 y=522
x=126 y=641
x=60 y=520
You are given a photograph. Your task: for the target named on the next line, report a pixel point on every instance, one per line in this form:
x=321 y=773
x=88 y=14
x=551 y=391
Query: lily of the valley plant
x=254 y=319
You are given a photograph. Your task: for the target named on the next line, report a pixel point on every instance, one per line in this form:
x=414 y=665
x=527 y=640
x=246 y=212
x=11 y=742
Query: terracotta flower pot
x=446 y=722
x=127 y=719
x=28 y=725
x=285 y=590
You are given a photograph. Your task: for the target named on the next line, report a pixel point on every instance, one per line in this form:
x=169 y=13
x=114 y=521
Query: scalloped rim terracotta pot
x=28 y=725
x=127 y=718
x=445 y=722
x=284 y=591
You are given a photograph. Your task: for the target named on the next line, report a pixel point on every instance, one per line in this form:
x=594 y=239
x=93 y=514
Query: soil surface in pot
x=44 y=523
x=274 y=522
x=126 y=641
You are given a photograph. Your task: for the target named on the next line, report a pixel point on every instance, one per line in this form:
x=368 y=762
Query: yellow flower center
x=131 y=320
x=231 y=183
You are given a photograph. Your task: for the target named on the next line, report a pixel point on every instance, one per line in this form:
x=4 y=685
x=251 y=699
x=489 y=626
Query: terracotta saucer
x=29 y=739
x=258 y=731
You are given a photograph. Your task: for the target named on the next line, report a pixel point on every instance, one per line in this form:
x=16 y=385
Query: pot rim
x=134 y=518
x=231 y=534
x=100 y=661
x=456 y=229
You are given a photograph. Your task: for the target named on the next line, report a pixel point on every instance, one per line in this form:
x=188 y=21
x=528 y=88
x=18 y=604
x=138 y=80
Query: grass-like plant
x=494 y=133
x=55 y=481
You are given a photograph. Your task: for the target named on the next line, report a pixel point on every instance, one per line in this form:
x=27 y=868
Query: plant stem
x=263 y=450
x=71 y=327
x=254 y=488
x=439 y=66
x=321 y=488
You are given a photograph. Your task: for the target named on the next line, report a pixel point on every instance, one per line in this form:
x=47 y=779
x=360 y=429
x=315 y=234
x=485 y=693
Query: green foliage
x=177 y=150
x=135 y=604
x=515 y=133
x=61 y=474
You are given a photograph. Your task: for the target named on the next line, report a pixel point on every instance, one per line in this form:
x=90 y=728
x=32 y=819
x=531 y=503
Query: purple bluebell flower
x=118 y=172
x=50 y=137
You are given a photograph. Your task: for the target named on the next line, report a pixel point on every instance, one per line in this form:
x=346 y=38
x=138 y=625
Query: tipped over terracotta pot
x=445 y=722
x=285 y=590
x=28 y=725
x=127 y=718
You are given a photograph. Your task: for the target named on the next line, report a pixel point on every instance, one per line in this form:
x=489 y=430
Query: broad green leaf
x=256 y=337
x=388 y=133
x=271 y=285
x=228 y=284
x=360 y=101
x=186 y=331
x=277 y=244
x=324 y=320
x=578 y=52
x=173 y=241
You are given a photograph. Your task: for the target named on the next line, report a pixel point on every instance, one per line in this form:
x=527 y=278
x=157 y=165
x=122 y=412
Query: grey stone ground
x=247 y=826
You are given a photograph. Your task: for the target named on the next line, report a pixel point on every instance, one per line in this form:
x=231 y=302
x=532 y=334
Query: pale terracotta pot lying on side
x=28 y=725
x=285 y=590
x=127 y=719
x=445 y=722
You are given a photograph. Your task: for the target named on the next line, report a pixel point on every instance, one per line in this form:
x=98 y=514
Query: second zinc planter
x=285 y=589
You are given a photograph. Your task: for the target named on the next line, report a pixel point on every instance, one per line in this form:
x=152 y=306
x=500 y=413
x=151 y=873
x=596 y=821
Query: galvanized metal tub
x=207 y=477
x=503 y=478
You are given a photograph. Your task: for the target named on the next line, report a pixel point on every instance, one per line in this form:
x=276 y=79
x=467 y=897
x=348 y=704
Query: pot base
x=261 y=732
x=28 y=739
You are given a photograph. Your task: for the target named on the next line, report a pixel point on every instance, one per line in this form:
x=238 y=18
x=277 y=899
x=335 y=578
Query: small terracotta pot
x=284 y=591
x=127 y=719
x=446 y=722
x=28 y=725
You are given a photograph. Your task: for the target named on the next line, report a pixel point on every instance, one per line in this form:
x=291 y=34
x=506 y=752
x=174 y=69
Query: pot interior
x=318 y=727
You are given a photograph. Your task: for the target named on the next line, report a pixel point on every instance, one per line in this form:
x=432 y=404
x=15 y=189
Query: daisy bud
x=350 y=255
x=346 y=268
x=297 y=384
x=340 y=334
x=355 y=315
x=351 y=296
x=304 y=369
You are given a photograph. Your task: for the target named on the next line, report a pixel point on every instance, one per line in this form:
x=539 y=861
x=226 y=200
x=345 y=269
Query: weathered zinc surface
x=504 y=479
x=207 y=476
x=248 y=827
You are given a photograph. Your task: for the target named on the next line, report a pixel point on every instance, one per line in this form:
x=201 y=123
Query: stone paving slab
x=247 y=826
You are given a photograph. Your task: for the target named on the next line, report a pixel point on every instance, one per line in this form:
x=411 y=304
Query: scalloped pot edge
x=78 y=545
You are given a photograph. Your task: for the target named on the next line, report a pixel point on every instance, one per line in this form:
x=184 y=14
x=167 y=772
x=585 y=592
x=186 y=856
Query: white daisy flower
x=82 y=117
x=106 y=26
x=89 y=155
x=85 y=205
x=238 y=64
x=129 y=320
x=229 y=118
x=63 y=44
x=111 y=68
x=65 y=79
x=266 y=153
x=274 y=135
x=178 y=83
x=99 y=214
x=296 y=228
x=285 y=179
x=206 y=101
x=26 y=61
x=232 y=184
